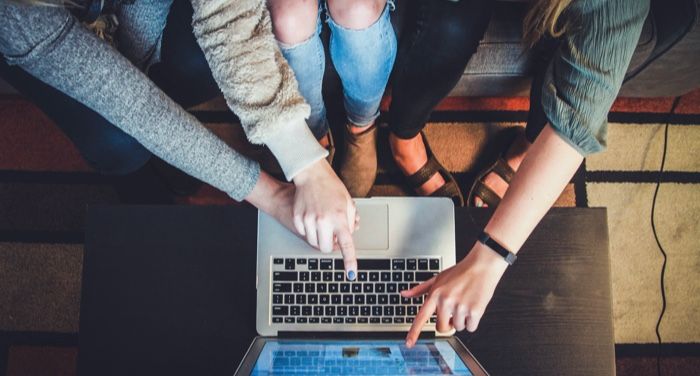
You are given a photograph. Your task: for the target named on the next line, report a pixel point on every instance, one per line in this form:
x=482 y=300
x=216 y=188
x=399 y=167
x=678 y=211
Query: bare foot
x=514 y=157
x=410 y=155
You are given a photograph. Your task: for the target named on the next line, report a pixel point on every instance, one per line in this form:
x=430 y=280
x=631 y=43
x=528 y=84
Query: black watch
x=486 y=240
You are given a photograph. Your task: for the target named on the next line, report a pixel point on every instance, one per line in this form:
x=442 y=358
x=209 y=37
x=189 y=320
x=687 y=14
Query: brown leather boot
x=358 y=169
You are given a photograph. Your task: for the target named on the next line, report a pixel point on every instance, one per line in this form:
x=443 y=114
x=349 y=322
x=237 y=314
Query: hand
x=274 y=198
x=460 y=294
x=325 y=214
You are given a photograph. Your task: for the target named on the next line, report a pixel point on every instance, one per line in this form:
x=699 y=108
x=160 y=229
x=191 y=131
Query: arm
x=580 y=87
x=259 y=86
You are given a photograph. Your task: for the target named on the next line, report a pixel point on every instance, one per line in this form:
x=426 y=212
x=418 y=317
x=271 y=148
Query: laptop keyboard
x=316 y=290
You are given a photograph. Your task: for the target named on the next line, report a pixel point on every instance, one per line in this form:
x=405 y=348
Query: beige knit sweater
x=258 y=84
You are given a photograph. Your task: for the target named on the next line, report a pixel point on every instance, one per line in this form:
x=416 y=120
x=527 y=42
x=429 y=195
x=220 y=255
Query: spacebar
x=374 y=264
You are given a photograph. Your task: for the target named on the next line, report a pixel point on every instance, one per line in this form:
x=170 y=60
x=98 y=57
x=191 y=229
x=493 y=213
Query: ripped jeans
x=363 y=59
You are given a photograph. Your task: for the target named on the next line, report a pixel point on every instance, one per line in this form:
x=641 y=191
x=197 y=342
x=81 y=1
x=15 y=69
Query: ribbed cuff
x=295 y=148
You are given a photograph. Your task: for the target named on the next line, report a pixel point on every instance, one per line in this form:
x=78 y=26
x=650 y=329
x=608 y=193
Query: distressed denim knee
x=363 y=59
x=308 y=62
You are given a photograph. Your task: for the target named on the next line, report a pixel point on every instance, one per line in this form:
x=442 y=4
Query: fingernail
x=351 y=275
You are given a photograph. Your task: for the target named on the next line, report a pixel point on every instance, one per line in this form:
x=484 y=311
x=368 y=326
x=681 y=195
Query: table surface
x=171 y=290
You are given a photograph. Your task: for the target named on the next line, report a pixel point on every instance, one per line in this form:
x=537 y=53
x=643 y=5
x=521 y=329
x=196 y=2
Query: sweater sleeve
x=587 y=71
x=48 y=43
x=257 y=83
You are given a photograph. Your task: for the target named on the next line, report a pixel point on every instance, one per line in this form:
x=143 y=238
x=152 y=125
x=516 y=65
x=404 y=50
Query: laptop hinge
x=351 y=335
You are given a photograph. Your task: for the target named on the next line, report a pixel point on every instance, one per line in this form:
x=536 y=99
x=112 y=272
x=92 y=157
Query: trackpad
x=373 y=234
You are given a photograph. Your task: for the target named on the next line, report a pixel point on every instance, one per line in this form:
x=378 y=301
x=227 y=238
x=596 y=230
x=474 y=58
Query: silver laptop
x=307 y=307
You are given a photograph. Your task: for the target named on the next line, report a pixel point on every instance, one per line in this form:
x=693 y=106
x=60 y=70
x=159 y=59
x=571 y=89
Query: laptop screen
x=386 y=357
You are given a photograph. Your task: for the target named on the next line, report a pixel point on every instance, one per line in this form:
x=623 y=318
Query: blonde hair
x=544 y=18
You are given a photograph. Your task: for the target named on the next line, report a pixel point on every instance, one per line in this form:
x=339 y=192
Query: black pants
x=438 y=37
x=183 y=74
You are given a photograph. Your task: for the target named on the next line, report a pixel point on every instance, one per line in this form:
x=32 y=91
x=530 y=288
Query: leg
x=363 y=49
x=297 y=28
x=440 y=39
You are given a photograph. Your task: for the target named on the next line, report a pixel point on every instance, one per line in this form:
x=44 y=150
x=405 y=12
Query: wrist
x=311 y=172
x=265 y=192
x=487 y=258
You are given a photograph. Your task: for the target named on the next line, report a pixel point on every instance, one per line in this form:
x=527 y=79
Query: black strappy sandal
x=501 y=167
x=431 y=167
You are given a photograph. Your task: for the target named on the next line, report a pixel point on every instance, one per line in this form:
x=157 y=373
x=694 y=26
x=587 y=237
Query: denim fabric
x=363 y=59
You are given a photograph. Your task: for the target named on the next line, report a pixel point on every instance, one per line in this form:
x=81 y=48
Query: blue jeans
x=363 y=59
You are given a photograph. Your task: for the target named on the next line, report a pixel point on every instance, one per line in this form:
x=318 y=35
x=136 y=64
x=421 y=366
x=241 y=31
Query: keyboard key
x=374 y=276
x=362 y=276
x=374 y=320
x=408 y=276
x=424 y=276
x=398 y=264
x=324 y=298
x=330 y=311
x=276 y=298
x=388 y=311
x=411 y=264
x=368 y=287
x=289 y=264
x=315 y=276
x=309 y=287
x=301 y=320
x=356 y=287
x=304 y=276
x=321 y=287
x=338 y=263
x=332 y=287
x=391 y=287
x=400 y=310
x=314 y=320
x=341 y=310
x=385 y=276
x=306 y=310
x=344 y=287
x=278 y=261
x=373 y=264
x=362 y=320
x=412 y=310
x=350 y=320
x=379 y=287
x=394 y=299
x=354 y=310
x=409 y=320
x=327 y=276
x=397 y=276
x=405 y=300
x=423 y=264
x=276 y=320
x=403 y=287
x=281 y=287
x=347 y=299
x=335 y=299
x=434 y=264
x=433 y=319
x=339 y=276
x=301 y=299
x=326 y=264
x=313 y=264
x=285 y=276
x=326 y=320
x=313 y=299
x=376 y=311
x=399 y=320
x=280 y=310
x=301 y=261
x=295 y=310
x=386 y=320
x=371 y=299
x=298 y=287
x=289 y=320
x=318 y=311
x=383 y=299
x=337 y=320
x=418 y=300
x=359 y=299
x=288 y=299
x=365 y=311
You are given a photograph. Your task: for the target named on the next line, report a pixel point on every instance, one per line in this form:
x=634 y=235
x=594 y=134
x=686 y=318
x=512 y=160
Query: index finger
x=421 y=319
x=347 y=248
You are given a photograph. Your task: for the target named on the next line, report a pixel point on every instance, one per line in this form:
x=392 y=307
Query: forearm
x=548 y=167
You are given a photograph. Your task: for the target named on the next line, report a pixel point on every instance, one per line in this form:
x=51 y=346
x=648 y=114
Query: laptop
x=312 y=320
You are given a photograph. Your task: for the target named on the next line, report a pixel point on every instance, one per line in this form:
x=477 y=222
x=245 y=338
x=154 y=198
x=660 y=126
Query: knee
x=293 y=21
x=355 y=14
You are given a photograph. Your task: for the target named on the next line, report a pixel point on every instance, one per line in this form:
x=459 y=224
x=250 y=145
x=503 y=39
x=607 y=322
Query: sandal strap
x=430 y=168
x=486 y=194
x=503 y=169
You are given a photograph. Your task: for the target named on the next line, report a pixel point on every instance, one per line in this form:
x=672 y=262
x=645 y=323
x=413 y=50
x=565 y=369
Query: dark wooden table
x=171 y=290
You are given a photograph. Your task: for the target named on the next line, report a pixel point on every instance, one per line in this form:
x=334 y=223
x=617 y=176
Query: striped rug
x=45 y=187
